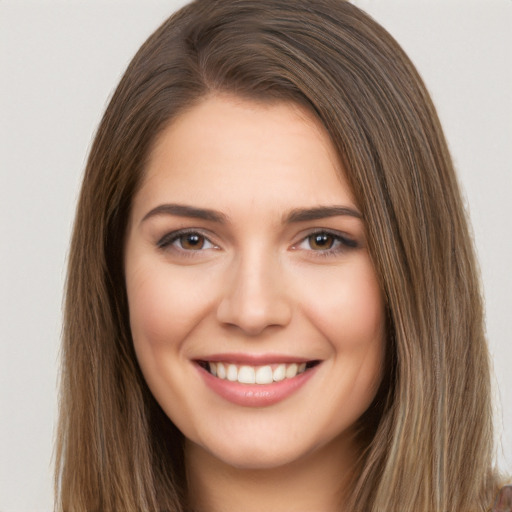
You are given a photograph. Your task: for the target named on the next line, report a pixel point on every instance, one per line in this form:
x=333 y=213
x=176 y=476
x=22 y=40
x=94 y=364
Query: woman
x=271 y=284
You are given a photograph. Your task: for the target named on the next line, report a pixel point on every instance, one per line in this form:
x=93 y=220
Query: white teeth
x=280 y=373
x=232 y=373
x=264 y=375
x=247 y=375
x=291 y=371
x=221 y=371
x=255 y=375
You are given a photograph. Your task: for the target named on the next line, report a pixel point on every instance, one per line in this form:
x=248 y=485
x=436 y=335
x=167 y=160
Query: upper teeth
x=255 y=374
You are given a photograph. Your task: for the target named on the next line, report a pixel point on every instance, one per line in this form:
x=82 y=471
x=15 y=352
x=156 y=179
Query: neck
x=318 y=481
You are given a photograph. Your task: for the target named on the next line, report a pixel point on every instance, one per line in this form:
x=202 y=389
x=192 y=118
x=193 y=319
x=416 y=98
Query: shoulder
x=503 y=501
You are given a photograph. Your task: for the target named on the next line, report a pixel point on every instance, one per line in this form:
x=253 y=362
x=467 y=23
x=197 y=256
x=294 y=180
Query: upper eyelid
x=329 y=231
x=172 y=236
x=346 y=241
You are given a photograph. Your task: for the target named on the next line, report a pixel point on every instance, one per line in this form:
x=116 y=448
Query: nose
x=255 y=296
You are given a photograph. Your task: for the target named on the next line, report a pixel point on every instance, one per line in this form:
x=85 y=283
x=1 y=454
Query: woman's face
x=255 y=310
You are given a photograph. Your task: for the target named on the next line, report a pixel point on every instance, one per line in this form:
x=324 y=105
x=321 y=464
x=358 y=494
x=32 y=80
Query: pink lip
x=255 y=395
x=254 y=359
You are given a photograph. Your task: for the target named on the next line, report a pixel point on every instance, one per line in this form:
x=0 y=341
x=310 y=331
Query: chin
x=256 y=452
x=253 y=459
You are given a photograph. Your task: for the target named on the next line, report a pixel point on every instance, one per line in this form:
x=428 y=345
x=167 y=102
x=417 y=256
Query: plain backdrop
x=59 y=63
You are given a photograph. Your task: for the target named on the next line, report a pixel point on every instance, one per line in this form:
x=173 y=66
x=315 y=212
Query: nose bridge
x=255 y=294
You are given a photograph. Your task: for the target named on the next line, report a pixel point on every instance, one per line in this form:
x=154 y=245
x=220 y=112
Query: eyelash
x=169 y=240
x=341 y=243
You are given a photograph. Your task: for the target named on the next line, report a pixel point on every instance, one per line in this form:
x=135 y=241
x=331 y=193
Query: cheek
x=348 y=309
x=164 y=305
x=150 y=305
x=359 y=312
x=164 y=309
x=353 y=320
x=346 y=305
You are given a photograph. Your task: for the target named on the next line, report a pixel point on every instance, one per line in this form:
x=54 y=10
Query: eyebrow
x=181 y=210
x=321 y=212
x=296 y=215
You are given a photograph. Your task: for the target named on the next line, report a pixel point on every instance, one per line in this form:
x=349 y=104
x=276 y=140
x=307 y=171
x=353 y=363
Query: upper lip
x=254 y=359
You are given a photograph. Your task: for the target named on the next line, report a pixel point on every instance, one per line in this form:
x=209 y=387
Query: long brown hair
x=428 y=435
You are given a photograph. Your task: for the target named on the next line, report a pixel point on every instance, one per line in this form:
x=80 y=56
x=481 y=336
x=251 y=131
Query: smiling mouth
x=247 y=374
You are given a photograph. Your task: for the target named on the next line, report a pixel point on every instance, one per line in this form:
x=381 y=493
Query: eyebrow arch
x=321 y=212
x=181 y=210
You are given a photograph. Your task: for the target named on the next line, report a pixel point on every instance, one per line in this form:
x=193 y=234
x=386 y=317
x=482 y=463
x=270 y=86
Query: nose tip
x=254 y=300
x=251 y=317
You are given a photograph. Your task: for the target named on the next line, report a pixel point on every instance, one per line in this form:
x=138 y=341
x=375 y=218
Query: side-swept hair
x=428 y=436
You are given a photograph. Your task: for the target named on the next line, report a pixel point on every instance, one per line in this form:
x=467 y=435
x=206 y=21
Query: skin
x=255 y=280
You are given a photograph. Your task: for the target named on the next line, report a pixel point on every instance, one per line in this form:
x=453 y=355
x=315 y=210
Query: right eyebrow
x=181 y=210
x=321 y=212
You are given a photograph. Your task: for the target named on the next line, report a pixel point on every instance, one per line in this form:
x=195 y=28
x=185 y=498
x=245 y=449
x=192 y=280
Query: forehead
x=226 y=149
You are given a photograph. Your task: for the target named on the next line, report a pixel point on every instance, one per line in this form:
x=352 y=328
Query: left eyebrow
x=321 y=212
x=181 y=210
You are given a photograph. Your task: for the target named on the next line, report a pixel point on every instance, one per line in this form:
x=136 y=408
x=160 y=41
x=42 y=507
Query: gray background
x=59 y=63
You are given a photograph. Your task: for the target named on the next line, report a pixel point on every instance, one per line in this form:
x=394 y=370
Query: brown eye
x=321 y=241
x=185 y=242
x=192 y=241
x=326 y=243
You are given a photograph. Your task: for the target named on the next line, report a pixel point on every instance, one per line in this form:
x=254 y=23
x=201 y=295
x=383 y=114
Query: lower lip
x=256 y=395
